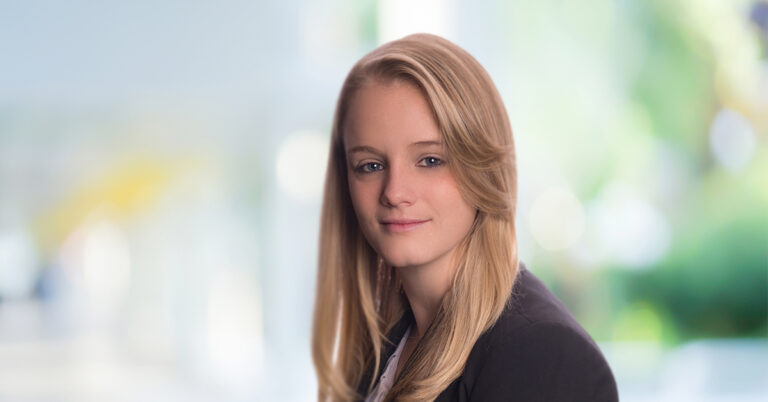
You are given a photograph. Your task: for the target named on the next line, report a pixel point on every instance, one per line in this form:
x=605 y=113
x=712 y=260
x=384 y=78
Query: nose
x=398 y=187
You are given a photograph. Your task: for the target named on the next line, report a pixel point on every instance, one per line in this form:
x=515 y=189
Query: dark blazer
x=536 y=351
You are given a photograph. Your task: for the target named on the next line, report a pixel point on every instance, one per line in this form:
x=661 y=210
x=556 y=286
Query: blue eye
x=369 y=167
x=431 y=161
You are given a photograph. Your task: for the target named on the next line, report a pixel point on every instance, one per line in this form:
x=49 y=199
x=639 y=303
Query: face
x=405 y=197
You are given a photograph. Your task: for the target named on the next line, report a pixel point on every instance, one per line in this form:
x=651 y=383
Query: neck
x=425 y=286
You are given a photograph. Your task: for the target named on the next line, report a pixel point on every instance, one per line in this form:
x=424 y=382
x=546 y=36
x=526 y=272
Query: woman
x=420 y=295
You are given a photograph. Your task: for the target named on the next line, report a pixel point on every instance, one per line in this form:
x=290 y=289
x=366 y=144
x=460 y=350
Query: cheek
x=448 y=193
x=458 y=212
x=364 y=198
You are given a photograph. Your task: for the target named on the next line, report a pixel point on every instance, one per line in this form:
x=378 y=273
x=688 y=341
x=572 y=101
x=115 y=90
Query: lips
x=402 y=225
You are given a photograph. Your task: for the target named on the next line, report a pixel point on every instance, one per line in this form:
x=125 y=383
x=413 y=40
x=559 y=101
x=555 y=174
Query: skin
x=398 y=169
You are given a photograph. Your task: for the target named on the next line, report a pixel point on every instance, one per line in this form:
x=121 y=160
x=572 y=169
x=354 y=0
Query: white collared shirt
x=387 y=378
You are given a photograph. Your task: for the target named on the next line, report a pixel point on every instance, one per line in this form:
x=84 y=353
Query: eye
x=431 y=161
x=369 y=167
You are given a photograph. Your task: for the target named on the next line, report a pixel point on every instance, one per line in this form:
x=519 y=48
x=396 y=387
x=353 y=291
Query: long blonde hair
x=357 y=300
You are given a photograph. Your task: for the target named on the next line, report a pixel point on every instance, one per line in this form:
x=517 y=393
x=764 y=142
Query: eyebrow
x=366 y=148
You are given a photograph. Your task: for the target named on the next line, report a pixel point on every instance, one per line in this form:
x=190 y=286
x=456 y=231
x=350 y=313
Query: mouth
x=402 y=225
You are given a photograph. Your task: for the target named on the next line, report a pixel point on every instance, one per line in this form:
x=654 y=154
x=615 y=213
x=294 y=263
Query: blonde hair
x=357 y=300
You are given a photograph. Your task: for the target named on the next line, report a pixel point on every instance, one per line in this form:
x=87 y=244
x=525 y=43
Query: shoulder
x=537 y=351
x=532 y=306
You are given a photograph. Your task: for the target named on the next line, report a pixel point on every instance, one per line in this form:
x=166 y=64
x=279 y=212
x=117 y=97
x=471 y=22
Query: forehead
x=389 y=113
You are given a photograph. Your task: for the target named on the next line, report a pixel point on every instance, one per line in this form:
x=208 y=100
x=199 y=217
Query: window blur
x=161 y=166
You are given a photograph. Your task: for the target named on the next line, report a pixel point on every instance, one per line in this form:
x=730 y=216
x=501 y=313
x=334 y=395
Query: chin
x=404 y=259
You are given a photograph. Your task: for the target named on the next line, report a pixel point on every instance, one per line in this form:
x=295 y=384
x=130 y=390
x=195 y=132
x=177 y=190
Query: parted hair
x=358 y=298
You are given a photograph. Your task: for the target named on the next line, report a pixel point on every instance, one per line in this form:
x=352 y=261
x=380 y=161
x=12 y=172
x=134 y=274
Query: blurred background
x=161 y=164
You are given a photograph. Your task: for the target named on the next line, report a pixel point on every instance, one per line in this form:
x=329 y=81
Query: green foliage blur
x=712 y=280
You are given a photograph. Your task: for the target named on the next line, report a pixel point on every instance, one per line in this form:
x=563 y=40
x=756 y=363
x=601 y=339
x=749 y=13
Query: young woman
x=420 y=295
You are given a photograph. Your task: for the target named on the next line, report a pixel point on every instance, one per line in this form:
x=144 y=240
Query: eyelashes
x=431 y=161
x=372 y=167
x=369 y=167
